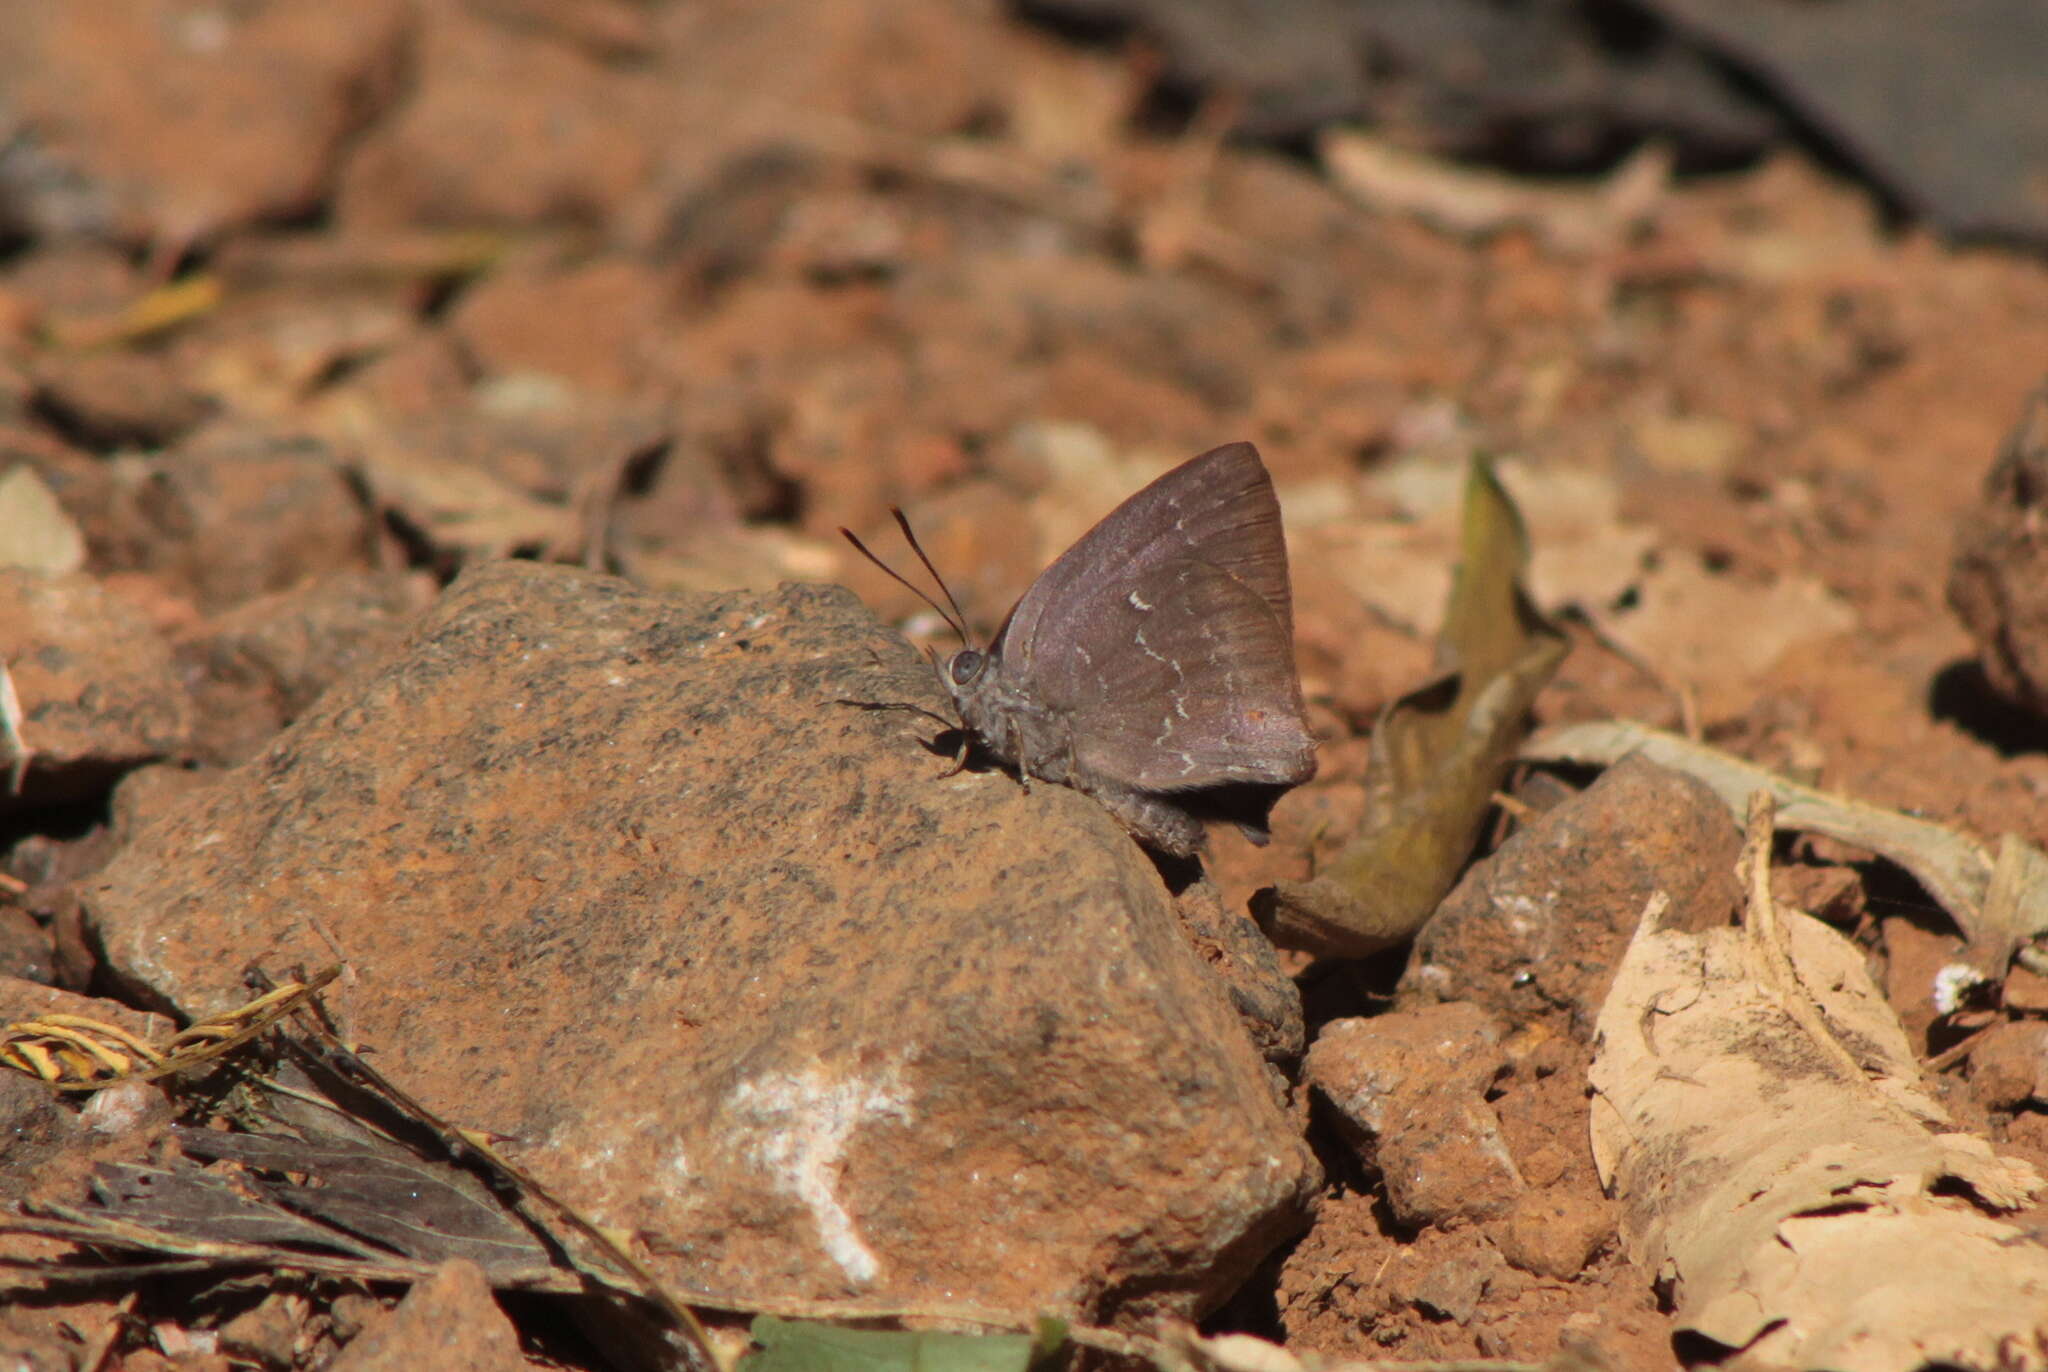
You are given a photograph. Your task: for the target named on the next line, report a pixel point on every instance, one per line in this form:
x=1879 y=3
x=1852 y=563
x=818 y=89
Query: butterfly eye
x=965 y=666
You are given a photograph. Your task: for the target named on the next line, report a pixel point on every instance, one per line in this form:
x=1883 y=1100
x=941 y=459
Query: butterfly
x=1152 y=665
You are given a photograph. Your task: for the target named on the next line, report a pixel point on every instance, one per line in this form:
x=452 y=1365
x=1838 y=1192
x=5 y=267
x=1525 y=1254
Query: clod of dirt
x=109 y=400
x=450 y=1321
x=258 y=666
x=212 y=123
x=593 y=326
x=2009 y=1065
x=98 y=690
x=269 y=1332
x=1534 y=931
x=1246 y=965
x=35 y=1126
x=1998 y=584
x=233 y=515
x=1914 y=960
x=1410 y=1087
x=622 y=877
x=1453 y=1289
x=1555 y=1232
x=25 y=947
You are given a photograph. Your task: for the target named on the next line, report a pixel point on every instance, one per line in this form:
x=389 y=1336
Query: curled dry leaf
x=15 y=752
x=1759 y=1114
x=461 y=509
x=1438 y=754
x=1474 y=204
x=1999 y=899
x=1185 y=1350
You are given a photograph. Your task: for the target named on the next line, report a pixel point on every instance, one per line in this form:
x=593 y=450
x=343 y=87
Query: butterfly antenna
x=957 y=625
x=960 y=615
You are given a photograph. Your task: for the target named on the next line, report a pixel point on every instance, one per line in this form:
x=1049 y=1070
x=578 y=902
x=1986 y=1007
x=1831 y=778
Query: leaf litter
x=1998 y=898
x=1438 y=754
x=312 y=1163
x=1761 y=1117
x=334 y=1171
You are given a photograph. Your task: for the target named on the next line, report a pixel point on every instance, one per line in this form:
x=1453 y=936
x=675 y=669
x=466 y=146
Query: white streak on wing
x=1181 y=682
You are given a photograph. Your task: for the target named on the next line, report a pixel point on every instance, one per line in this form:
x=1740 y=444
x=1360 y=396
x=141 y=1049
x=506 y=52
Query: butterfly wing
x=1165 y=635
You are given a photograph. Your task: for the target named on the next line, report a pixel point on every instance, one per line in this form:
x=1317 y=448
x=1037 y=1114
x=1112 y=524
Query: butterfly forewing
x=1219 y=506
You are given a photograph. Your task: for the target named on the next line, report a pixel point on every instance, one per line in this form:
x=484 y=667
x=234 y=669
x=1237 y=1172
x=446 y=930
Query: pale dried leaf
x=1469 y=203
x=1582 y=551
x=35 y=530
x=1812 y=1219
x=464 y=509
x=15 y=752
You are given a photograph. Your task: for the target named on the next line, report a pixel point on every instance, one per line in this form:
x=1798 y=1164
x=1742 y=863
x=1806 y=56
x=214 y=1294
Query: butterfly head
x=970 y=676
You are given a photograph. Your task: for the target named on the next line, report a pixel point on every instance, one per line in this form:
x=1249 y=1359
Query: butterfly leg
x=1013 y=737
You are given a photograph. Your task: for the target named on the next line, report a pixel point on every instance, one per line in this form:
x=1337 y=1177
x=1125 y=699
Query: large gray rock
x=621 y=877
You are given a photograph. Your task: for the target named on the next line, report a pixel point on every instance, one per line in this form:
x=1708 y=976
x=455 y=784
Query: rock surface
x=1998 y=583
x=1410 y=1087
x=259 y=665
x=448 y=1323
x=1534 y=931
x=622 y=877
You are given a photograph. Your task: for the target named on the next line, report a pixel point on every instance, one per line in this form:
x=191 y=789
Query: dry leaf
x=1438 y=754
x=463 y=509
x=1468 y=203
x=15 y=752
x=369 y=1186
x=35 y=530
x=1681 y=619
x=1760 y=1117
x=1998 y=900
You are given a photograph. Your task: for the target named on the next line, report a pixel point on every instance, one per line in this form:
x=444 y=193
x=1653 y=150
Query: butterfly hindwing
x=1207 y=697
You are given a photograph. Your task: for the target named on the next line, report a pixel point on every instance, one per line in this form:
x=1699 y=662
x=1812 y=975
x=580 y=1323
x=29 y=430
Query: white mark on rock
x=805 y=1119
x=1138 y=602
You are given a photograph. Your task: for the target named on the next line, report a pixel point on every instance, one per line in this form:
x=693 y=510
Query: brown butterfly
x=1152 y=665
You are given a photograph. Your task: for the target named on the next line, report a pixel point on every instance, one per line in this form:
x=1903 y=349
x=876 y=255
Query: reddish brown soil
x=838 y=252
